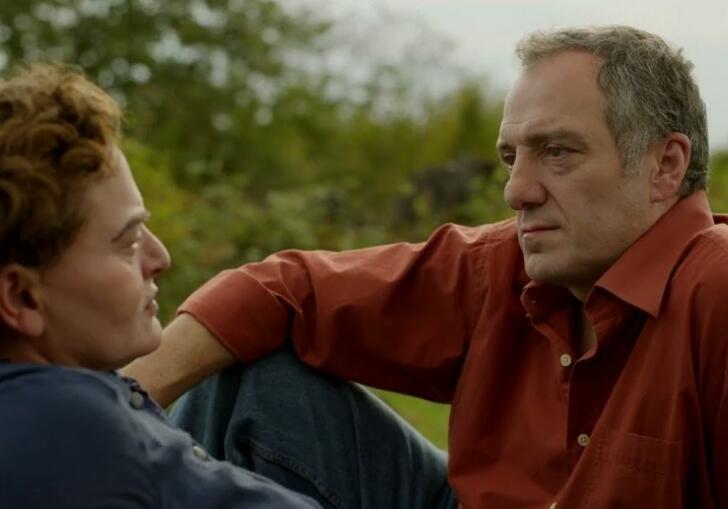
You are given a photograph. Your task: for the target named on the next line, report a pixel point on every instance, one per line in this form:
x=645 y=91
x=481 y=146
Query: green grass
x=427 y=417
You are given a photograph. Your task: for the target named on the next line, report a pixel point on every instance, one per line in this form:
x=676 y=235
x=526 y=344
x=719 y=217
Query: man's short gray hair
x=649 y=90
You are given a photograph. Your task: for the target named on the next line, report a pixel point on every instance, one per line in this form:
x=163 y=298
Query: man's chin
x=547 y=269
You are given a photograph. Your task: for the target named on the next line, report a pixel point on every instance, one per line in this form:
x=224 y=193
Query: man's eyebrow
x=133 y=221
x=557 y=134
x=539 y=138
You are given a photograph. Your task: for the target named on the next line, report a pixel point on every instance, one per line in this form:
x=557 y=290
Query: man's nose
x=524 y=188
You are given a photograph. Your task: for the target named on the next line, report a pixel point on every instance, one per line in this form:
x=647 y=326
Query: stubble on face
x=577 y=211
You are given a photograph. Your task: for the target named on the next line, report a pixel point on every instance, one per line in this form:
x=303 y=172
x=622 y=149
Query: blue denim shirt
x=75 y=438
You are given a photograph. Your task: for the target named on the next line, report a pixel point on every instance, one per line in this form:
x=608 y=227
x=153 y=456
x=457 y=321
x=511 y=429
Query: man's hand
x=189 y=353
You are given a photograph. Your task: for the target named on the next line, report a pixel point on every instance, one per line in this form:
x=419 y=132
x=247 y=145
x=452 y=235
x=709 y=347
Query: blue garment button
x=200 y=453
x=136 y=400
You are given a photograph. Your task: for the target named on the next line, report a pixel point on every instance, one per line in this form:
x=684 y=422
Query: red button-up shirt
x=640 y=420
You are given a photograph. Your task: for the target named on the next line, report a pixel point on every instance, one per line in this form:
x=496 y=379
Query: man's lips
x=534 y=229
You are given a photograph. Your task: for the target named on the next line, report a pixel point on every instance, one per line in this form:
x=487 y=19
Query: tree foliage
x=196 y=76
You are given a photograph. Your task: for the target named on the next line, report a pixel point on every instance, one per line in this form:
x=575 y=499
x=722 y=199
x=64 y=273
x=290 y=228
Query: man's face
x=98 y=300
x=577 y=211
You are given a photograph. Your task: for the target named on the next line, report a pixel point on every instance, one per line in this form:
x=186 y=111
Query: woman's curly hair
x=56 y=133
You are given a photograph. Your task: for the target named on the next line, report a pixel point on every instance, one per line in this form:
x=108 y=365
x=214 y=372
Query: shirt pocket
x=635 y=471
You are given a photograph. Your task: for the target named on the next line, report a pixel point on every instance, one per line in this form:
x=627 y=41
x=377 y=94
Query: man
x=77 y=271
x=582 y=344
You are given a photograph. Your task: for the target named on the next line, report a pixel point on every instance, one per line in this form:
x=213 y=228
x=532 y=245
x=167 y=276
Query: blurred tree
x=247 y=139
x=719 y=182
x=254 y=127
x=241 y=94
x=187 y=70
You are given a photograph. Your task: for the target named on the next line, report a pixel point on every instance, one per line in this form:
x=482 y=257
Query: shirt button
x=200 y=453
x=583 y=440
x=136 y=400
x=553 y=506
x=565 y=360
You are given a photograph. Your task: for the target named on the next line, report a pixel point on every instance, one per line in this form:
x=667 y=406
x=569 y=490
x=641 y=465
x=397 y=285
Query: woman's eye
x=134 y=242
x=508 y=160
x=133 y=247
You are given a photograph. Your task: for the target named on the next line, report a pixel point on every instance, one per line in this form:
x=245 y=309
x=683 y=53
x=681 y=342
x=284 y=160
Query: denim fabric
x=327 y=438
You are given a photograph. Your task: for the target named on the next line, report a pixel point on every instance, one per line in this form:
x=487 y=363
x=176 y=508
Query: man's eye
x=555 y=150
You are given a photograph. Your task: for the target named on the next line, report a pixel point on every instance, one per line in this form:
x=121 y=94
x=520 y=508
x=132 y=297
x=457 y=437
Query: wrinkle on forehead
x=558 y=93
x=541 y=131
x=566 y=78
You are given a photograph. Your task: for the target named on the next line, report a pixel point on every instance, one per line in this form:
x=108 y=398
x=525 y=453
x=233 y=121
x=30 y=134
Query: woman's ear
x=20 y=304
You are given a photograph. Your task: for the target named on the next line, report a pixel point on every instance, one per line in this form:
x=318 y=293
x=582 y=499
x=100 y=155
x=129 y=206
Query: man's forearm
x=189 y=353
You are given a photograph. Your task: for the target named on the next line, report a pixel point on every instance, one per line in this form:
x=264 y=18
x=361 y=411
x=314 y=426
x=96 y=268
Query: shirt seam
x=480 y=254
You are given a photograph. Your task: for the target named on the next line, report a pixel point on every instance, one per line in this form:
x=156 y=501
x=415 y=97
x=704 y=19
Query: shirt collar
x=639 y=277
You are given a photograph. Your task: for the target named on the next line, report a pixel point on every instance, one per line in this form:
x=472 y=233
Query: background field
x=253 y=127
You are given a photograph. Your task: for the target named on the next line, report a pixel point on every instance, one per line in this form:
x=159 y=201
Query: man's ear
x=20 y=305
x=672 y=157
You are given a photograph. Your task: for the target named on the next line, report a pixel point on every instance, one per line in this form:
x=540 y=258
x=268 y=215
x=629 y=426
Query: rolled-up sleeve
x=398 y=316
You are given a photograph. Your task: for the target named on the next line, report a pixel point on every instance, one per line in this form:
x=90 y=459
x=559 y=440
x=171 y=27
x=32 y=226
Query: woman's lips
x=152 y=307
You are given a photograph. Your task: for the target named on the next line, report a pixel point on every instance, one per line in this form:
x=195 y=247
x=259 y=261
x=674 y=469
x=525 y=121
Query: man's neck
x=585 y=338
